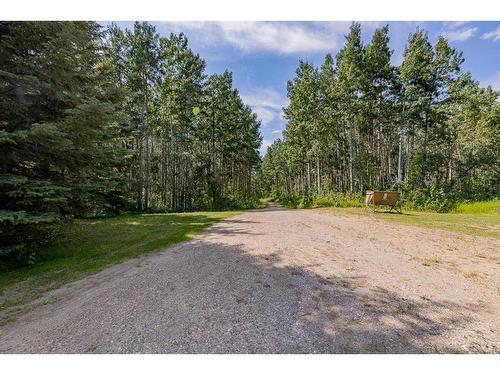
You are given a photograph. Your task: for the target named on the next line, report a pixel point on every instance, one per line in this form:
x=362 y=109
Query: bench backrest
x=389 y=198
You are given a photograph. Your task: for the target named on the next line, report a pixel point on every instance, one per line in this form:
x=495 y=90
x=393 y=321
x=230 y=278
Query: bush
x=22 y=235
x=290 y=201
x=430 y=199
x=338 y=199
x=333 y=199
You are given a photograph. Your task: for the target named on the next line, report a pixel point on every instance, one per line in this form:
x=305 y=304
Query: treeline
x=94 y=122
x=357 y=123
x=193 y=140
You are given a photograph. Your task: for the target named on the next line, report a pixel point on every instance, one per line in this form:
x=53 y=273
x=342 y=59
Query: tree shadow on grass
x=85 y=246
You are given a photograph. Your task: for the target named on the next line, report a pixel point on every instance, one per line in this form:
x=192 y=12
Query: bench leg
x=397 y=208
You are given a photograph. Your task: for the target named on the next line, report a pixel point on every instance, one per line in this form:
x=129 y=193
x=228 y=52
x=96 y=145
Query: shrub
x=305 y=202
x=290 y=201
x=338 y=199
x=333 y=199
x=431 y=199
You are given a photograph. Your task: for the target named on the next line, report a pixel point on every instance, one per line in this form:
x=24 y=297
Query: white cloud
x=456 y=24
x=265 y=115
x=265 y=144
x=277 y=131
x=264 y=97
x=279 y=37
x=494 y=35
x=266 y=102
x=460 y=35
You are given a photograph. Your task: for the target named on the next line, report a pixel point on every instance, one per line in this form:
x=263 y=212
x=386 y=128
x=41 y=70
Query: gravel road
x=282 y=281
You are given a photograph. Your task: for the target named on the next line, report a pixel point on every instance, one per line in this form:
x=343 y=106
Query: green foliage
x=336 y=199
x=95 y=123
x=431 y=199
x=57 y=129
x=194 y=142
x=358 y=123
x=331 y=199
x=292 y=200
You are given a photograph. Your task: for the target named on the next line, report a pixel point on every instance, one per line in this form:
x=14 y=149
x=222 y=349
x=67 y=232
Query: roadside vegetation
x=476 y=218
x=425 y=128
x=86 y=246
x=480 y=218
x=482 y=207
x=345 y=200
x=332 y=199
x=126 y=124
x=477 y=224
x=100 y=121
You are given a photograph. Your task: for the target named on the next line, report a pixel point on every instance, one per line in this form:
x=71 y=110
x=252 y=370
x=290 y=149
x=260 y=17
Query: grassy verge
x=263 y=202
x=480 y=218
x=478 y=224
x=481 y=207
x=85 y=247
x=327 y=200
x=486 y=224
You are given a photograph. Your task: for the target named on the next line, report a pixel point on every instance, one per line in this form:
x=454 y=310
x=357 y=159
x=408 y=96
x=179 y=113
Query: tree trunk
x=308 y=177
x=318 y=176
x=400 y=146
x=351 y=158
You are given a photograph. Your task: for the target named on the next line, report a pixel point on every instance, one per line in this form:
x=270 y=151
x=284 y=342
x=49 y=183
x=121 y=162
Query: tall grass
x=338 y=200
x=333 y=199
x=413 y=202
x=481 y=207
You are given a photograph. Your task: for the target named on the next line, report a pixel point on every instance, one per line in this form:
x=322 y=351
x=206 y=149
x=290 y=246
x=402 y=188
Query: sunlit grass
x=343 y=200
x=263 y=202
x=482 y=207
x=333 y=199
x=478 y=224
x=84 y=247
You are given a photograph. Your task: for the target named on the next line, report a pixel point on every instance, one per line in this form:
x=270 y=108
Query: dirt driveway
x=282 y=281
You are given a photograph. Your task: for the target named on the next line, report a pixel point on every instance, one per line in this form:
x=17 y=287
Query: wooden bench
x=383 y=198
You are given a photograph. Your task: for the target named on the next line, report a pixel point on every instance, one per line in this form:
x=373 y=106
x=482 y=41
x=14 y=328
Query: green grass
x=482 y=207
x=343 y=200
x=478 y=224
x=487 y=225
x=332 y=199
x=84 y=247
x=263 y=202
x=476 y=218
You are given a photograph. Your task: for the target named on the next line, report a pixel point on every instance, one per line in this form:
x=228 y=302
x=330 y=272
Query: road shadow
x=206 y=297
x=258 y=305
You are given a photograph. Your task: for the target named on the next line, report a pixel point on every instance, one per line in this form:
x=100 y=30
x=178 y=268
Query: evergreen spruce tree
x=58 y=134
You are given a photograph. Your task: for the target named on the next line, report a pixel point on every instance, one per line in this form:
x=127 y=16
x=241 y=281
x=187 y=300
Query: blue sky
x=264 y=55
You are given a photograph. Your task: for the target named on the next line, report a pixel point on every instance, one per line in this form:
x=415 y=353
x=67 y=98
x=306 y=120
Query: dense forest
x=425 y=128
x=97 y=121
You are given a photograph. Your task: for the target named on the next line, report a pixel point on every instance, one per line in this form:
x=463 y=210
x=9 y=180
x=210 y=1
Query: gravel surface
x=281 y=281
